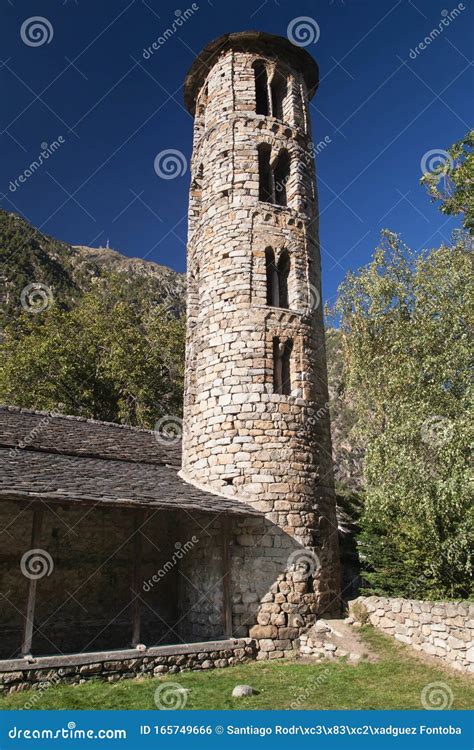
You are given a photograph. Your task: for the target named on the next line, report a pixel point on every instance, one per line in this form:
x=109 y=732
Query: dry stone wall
x=241 y=438
x=441 y=629
x=154 y=662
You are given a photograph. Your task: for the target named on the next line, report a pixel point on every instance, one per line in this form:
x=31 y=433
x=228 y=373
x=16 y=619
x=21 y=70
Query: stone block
x=288 y=633
x=402 y=638
x=266 y=644
x=455 y=643
x=91 y=668
x=263 y=631
x=276 y=654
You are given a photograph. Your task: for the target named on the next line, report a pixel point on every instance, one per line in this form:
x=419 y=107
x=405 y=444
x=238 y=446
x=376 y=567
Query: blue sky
x=89 y=85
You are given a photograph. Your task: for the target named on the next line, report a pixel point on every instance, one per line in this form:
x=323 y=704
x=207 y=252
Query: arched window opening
x=283 y=271
x=282 y=366
x=272 y=278
x=278 y=89
x=265 y=178
x=261 y=88
x=281 y=173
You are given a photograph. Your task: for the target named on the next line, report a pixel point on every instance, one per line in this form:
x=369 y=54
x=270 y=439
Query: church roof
x=67 y=459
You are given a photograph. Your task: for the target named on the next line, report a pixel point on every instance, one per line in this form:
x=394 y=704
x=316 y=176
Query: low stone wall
x=18 y=674
x=442 y=629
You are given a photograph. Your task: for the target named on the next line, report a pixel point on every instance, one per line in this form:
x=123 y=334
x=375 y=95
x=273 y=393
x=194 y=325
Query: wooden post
x=139 y=519
x=30 y=606
x=226 y=562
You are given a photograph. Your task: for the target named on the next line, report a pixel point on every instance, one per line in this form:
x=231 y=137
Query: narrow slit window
x=196 y=187
x=282 y=366
x=281 y=174
x=278 y=89
x=286 y=368
x=272 y=278
x=283 y=272
x=277 y=373
x=261 y=88
x=265 y=179
x=194 y=282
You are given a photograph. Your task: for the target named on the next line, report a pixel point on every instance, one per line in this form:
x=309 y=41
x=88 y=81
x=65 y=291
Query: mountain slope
x=27 y=256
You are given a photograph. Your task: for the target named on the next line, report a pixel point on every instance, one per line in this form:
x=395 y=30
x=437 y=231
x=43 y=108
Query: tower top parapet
x=249 y=41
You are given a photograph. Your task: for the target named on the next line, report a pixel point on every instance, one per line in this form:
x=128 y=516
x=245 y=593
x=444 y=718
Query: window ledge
x=290 y=310
x=283 y=209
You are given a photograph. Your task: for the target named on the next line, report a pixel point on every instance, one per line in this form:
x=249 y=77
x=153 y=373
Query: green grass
x=394 y=681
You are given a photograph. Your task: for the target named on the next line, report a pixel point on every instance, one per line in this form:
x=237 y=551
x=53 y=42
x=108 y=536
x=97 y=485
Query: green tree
x=452 y=181
x=109 y=357
x=405 y=320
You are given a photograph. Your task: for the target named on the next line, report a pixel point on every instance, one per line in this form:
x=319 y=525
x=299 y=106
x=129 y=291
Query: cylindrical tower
x=256 y=421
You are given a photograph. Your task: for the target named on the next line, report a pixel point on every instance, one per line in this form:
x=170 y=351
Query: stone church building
x=125 y=552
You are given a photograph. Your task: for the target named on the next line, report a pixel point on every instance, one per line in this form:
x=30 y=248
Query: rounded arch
x=282 y=351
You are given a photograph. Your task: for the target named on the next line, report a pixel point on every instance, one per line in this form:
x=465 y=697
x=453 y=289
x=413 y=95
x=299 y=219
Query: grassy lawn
x=394 y=681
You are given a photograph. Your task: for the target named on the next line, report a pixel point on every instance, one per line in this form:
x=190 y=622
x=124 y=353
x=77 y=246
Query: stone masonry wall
x=263 y=605
x=85 y=601
x=240 y=438
x=442 y=629
x=122 y=665
x=200 y=591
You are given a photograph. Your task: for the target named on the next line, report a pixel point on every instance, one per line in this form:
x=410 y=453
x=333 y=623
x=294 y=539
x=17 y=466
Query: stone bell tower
x=256 y=422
